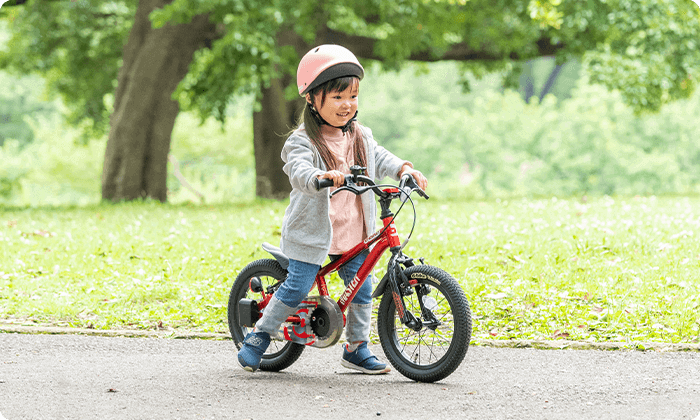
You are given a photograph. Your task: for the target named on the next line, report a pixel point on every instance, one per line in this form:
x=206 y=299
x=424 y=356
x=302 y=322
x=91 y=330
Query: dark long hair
x=312 y=124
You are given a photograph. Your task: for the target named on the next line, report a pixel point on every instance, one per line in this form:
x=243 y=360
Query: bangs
x=340 y=84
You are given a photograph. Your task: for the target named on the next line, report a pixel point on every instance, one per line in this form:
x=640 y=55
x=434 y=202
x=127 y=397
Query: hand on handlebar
x=421 y=180
x=350 y=183
x=337 y=177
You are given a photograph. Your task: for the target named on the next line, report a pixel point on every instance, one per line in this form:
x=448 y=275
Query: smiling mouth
x=343 y=114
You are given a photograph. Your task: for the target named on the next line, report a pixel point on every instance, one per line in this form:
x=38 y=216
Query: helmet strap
x=321 y=121
x=347 y=125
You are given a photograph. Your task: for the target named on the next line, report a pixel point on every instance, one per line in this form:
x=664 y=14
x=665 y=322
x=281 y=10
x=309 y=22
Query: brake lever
x=408 y=184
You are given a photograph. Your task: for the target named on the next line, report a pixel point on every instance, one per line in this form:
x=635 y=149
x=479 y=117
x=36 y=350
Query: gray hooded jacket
x=306 y=227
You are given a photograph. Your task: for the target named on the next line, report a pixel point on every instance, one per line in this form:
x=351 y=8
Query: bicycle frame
x=385 y=238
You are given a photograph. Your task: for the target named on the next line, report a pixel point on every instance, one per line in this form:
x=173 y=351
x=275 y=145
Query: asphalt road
x=83 y=377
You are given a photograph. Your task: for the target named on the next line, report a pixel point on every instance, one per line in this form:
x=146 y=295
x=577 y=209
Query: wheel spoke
x=427 y=345
x=441 y=337
x=422 y=339
x=439 y=346
x=268 y=273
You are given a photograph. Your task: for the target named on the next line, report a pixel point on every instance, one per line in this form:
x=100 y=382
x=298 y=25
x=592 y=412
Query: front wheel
x=436 y=347
x=280 y=354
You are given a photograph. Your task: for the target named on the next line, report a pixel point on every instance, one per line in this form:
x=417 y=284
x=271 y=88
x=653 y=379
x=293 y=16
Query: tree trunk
x=549 y=84
x=270 y=127
x=154 y=63
x=527 y=82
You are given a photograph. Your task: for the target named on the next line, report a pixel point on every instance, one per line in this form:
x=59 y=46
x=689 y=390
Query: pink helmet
x=324 y=63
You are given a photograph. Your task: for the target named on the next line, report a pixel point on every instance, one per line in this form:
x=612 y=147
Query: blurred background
x=481 y=103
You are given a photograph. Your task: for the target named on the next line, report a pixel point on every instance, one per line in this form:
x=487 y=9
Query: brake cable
x=362 y=190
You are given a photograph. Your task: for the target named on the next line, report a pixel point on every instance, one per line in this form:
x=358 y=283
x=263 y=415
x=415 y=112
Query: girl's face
x=337 y=108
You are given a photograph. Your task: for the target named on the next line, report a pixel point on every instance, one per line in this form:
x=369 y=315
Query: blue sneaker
x=254 y=347
x=363 y=360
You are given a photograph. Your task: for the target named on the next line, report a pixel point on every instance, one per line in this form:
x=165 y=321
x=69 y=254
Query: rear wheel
x=438 y=344
x=280 y=354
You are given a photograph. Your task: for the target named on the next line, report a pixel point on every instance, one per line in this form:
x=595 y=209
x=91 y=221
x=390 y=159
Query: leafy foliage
x=253 y=48
x=485 y=144
x=650 y=52
x=76 y=46
x=244 y=59
x=647 y=49
x=56 y=168
x=491 y=144
x=20 y=97
x=59 y=168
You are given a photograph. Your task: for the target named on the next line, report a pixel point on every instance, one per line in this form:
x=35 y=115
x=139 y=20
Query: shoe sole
x=353 y=366
x=247 y=368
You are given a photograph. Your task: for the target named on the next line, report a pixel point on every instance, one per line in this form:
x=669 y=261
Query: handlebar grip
x=322 y=183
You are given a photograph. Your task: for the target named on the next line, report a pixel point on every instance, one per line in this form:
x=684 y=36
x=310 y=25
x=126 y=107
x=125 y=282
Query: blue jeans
x=302 y=275
x=299 y=281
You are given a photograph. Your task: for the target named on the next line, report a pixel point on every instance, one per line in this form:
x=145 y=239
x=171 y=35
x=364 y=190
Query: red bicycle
x=423 y=320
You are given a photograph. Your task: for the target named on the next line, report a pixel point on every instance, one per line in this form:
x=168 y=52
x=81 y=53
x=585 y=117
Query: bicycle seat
x=277 y=253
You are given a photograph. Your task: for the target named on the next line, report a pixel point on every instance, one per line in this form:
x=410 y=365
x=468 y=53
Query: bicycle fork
x=401 y=287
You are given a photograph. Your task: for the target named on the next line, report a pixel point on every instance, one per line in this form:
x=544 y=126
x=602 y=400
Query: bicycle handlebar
x=350 y=184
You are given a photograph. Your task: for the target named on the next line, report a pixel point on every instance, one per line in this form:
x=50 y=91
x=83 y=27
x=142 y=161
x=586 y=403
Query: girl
x=325 y=145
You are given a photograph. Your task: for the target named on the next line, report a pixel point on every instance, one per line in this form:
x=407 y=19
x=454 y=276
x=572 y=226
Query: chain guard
x=321 y=324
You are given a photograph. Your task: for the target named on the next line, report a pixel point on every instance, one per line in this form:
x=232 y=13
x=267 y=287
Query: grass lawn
x=604 y=269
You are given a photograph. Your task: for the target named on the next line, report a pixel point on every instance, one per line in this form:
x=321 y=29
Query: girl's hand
x=421 y=180
x=337 y=177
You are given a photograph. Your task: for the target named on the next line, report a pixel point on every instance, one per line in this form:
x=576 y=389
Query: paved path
x=80 y=377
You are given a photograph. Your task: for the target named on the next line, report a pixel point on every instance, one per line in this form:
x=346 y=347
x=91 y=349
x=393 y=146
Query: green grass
x=622 y=269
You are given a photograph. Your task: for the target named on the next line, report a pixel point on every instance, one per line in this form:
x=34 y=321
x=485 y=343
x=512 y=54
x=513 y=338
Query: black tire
x=281 y=354
x=427 y=355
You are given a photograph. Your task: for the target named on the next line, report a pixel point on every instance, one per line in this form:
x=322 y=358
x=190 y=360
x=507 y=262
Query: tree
x=17 y=99
x=197 y=54
x=154 y=62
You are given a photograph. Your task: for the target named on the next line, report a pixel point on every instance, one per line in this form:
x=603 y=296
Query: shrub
x=486 y=144
x=493 y=144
